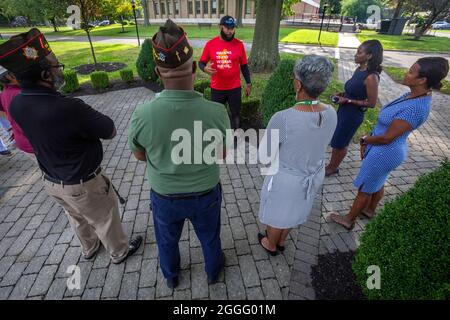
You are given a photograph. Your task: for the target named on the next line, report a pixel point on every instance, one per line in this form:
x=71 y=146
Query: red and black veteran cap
x=24 y=50
x=171 y=46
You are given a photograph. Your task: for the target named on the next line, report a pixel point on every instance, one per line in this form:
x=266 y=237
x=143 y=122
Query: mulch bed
x=333 y=278
x=103 y=66
x=87 y=89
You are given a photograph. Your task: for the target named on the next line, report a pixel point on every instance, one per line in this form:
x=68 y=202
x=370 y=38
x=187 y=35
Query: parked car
x=103 y=23
x=19 y=22
x=441 y=25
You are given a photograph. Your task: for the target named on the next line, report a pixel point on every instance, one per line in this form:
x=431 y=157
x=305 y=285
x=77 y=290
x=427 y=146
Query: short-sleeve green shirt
x=162 y=126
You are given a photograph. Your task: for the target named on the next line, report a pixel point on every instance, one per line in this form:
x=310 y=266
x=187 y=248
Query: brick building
x=193 y=11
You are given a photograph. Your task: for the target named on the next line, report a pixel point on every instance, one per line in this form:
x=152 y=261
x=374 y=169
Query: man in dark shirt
x=65 y=134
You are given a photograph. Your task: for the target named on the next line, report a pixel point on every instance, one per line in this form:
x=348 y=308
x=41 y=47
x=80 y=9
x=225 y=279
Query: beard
x=225 y=37
x=58 y=82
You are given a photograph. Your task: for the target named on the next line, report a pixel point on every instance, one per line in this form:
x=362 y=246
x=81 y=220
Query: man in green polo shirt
x=168 y=134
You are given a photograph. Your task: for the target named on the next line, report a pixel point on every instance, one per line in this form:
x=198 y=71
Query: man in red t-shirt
x=224 y=58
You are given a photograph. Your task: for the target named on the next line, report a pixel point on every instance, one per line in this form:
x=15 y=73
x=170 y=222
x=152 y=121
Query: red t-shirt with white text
x=227 y=58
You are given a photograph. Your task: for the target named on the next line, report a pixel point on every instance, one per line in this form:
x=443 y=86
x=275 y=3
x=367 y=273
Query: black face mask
x=225 y=37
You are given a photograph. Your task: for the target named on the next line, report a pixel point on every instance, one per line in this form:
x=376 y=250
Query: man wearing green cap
x=65 y=135
x=180 y=189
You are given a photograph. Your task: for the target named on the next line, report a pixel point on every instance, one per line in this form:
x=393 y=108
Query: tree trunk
x=92 y=48
x=55 y=26
x=265 y=56
x=239 y=9
x=146 y=18
x=421 y=31
x=398 y=10
x=121 y=21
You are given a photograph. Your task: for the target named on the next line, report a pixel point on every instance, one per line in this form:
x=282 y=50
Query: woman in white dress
x=305 y=130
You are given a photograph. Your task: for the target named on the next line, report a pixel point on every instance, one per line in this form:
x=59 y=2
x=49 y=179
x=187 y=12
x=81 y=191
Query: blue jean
x=169 y=216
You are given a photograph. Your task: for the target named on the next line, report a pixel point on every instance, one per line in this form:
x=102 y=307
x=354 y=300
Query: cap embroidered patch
x=30 y=53
x=162 y=56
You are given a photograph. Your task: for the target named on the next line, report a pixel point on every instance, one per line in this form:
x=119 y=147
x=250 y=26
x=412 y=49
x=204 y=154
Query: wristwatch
x=363 y=140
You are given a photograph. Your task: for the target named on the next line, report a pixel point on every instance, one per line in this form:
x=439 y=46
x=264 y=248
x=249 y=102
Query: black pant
x=234 y=99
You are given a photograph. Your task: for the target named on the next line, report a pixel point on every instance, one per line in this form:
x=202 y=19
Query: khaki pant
x=93 y=213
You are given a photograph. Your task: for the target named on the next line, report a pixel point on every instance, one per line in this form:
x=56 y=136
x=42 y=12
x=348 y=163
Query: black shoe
x=260 y=237
x=133 y=247
x=279 y=248
x=172 y=283
x=215 y=279
x=93 y=254
x=5 y=153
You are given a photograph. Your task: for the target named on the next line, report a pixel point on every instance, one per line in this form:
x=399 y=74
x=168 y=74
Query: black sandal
x=260 y=237
x=279 y=248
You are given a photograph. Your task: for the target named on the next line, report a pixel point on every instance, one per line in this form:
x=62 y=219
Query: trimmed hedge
x=72 y=83
x=145 y=63
x=250 y=106
x=201 y=85
x=279 y=93
x=127 y=75
x=100 y=80
x=410 y=242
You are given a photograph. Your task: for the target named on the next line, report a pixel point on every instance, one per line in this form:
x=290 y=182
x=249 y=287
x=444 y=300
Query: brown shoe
x=342 y=221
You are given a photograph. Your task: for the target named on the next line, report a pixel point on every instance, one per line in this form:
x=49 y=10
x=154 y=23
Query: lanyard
x=308 y=102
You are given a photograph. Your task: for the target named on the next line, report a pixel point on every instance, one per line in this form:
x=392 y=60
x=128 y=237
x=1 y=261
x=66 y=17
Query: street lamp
x=321 y=24
x=133 y=5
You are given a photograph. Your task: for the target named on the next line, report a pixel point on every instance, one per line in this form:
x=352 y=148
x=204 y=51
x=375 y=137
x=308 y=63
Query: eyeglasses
x=59 y=65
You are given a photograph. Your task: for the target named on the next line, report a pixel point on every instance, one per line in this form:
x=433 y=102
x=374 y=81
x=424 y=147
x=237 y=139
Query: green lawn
x=405 y=43
x=397 y=74
x=308 y=36
x=287 y=34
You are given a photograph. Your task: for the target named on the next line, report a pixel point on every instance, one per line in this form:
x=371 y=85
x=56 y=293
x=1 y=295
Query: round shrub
x=100 y=80
x=279 y=92
x=409 y=240
x=201 y=85
x=71 y=80
x=127 y=75
x=145 y=63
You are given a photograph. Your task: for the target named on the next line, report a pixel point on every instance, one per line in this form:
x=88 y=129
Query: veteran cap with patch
x=171 y=46
x=24 y=50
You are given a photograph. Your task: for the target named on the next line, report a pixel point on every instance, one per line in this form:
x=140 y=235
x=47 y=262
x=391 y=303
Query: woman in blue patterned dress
x=387 y=147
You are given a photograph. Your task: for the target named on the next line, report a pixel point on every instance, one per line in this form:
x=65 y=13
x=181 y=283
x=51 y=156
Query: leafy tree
x=89 y=9
x=333 y=6
x=437 y=10
x=287 y=7
x=115 y=9
x=358 y=8
x=35 y=10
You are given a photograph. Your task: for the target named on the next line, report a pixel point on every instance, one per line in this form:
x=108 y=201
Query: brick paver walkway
x=37 y=244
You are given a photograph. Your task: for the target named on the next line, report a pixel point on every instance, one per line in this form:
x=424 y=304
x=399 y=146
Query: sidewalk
x=348 y=40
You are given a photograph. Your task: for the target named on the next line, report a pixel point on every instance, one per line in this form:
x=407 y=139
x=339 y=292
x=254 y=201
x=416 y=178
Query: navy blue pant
x=169 y=216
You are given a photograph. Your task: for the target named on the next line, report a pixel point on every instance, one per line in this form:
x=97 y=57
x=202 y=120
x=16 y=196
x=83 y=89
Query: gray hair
x=315 y=73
